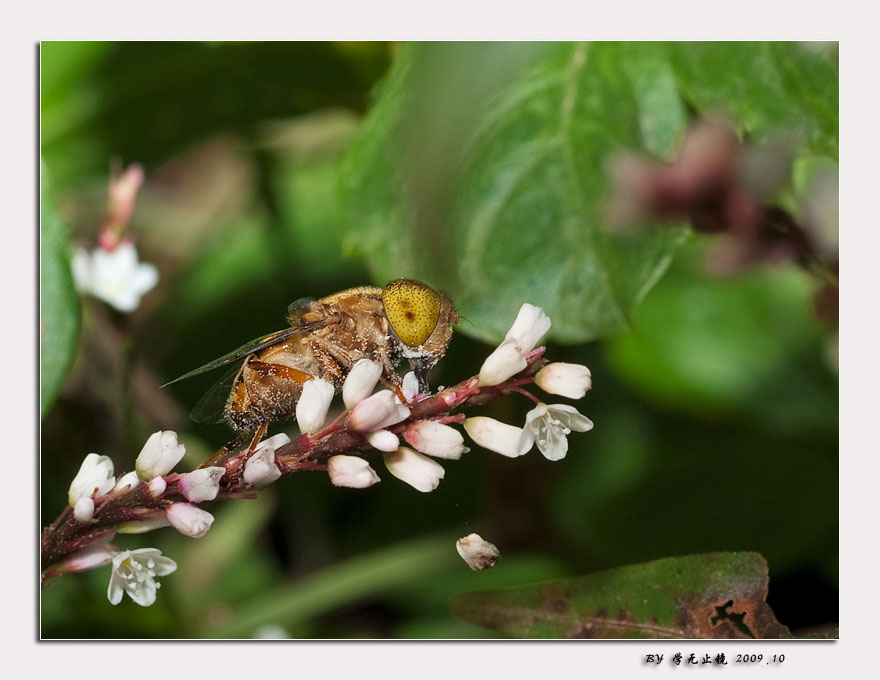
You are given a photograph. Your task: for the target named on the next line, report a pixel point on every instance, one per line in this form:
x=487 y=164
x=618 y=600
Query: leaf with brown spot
x=716 y=595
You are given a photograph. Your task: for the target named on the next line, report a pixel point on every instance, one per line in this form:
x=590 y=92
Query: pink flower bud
x=435 y=439
x=351 y=471
x=90 y=557
x=189 y=520
x=377 y=412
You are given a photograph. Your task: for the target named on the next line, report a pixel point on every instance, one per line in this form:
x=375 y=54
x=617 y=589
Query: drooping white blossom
x=548 y=426
x=477 y=552
x=114 y=276
x=435 y=439
x=94 y=479
x=377 y=412
x=360 y=382
x=351 y=471
x=565 y=380
x=494 y=435
x=159 y=455
x=201 y=484
x=420 y=472
x=508 y=358
x=134 y=572
x=313 y=404
x=189 y=520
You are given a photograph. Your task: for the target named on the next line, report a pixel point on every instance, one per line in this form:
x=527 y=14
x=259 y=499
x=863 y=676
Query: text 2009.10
x=757 y=658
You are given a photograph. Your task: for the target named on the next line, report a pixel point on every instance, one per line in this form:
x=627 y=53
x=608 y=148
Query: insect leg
x=224 y=451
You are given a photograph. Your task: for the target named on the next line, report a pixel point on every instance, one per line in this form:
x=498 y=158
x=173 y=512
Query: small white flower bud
x=313 y=404
x=261 y=469
x=383 y=440
x=420 y=472
x=377 y=412
x=189 y=520
x=95 y=478
x=127 y=482
x=435 y=439
x=505 y=361
x=530 y=325
x=159 y=455
x=566 y=380
x=495 y=436
x=157 y=486
x=477 y=552
x=360 y=382
x=202 y=484
x=351 y=471
x=84 y=509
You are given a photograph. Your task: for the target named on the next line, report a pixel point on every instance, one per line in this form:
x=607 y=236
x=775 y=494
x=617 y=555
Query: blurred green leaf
x=767 y=87
x=749 y=342
x=147 y=101
x=340 y=584
x=59 y=306
x=483 y=170
x=717 y=595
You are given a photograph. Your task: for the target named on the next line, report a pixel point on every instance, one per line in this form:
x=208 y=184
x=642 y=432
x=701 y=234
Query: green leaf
x=716 y=595
x=483 y=169
x=767 y=87
x=748 y=343
x=59 y=306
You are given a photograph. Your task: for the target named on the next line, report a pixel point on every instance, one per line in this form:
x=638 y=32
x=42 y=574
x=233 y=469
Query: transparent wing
x=252 y=347
x=211 y=408
x=297 y=308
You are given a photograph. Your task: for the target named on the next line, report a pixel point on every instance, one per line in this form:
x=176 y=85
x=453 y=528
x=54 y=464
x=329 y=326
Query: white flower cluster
x=548 y=426
x=134 y=571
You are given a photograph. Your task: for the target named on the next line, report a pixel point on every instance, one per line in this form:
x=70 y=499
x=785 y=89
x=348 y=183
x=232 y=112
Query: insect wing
x=252 y=347
x=211 y=408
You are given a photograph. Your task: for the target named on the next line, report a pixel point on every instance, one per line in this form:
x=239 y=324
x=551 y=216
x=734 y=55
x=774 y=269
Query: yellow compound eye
x=412 y=309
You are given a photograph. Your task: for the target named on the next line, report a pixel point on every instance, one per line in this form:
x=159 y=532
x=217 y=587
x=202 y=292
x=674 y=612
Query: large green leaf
x=767 y=87
x=716 y=595
x=59 y=307
x=483 y=169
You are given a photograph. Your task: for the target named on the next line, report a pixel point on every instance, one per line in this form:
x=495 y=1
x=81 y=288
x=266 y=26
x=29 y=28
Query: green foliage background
x=282 y=170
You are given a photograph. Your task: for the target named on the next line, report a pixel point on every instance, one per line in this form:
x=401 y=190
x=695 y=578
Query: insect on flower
x=405 y=320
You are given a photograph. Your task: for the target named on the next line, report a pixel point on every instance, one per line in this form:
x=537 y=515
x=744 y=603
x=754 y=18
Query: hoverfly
x=405 y=320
